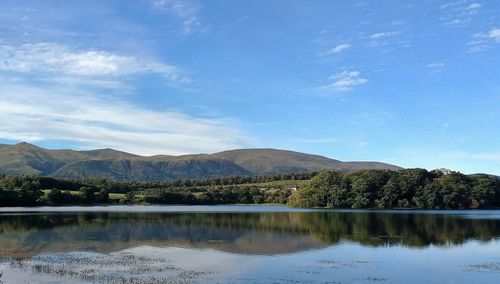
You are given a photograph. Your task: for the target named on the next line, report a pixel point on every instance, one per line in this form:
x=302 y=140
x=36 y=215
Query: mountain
x=28 y=159
x=108 y=154
x=135 y=169
x=271 y=161
x=24 y=158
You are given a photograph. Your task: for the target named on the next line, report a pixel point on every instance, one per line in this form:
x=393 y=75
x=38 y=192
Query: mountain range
x=28 y=159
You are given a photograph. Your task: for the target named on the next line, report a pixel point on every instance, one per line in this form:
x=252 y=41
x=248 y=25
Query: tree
x=55 y=196
x=361 y=193
x=88 y=194
x=485 y=192
x=102 y=196
x=391 y=194
x=409 y=181
x=337 y=188
x=129 y=198
x=327 y=189
x=307 y=197
x=366 y=185
x=454 y=188
x=30 y=193
x=9 y=197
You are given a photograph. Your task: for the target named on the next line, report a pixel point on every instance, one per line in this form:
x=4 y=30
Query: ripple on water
x=129 y=266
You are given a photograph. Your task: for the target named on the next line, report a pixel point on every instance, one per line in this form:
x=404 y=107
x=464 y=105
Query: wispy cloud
x=99 y=121
x=494 y=34
x=474 y=6
x=51 y=57
x=387 y=38
x=186 y=10
x=337 y=49
x=435 y=67
x=363 y=144
x=93 y=66
x=484 y=41
x=382 y=35
x=345 y=80
x=459 y=13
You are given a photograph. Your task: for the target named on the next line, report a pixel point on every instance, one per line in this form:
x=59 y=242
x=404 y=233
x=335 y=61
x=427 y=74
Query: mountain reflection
x=23 y=235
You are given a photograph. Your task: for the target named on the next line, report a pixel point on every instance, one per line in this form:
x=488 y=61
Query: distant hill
x=135 y=169
x=493 y=176
x=271 y=161
x=25 y=158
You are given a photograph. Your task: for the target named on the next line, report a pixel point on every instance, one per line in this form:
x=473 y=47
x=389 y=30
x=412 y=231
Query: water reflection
x=24 y=235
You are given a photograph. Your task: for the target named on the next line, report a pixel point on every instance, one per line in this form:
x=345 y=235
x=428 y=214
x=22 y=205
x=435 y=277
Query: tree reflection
x=252 y=233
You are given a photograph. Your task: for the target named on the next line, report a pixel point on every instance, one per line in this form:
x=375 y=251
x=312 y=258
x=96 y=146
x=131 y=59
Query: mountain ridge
x=27 y=159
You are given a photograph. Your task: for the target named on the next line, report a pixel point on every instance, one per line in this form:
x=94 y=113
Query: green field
x=112 y=196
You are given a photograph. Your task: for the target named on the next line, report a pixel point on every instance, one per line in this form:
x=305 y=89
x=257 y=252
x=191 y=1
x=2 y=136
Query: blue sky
x=414 y=83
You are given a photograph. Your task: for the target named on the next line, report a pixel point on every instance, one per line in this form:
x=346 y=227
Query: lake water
x=247 y=244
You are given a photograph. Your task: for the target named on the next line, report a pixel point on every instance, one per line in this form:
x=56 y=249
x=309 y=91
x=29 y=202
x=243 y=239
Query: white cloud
x=63 y=65
x=435 y=67
x=388 y=40
x=186 y=10
x=494 y=34
x=459 y=22
x=474 y=6
x=459 y=13
x=60 y=59
x=345 y=80
x=339 y=48
x=475 y=47
x=377 y=36
x=33 y=114
x=483 y=41
x=450 y=4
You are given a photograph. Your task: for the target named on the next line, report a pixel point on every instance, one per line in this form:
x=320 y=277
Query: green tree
x=88 y=194
x=30 y=193
x=454 y=188
x=102 y=196
x=55 y=196
x=391 y=194
x=485 y=192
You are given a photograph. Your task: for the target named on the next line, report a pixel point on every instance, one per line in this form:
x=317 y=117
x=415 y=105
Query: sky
x=412 y=83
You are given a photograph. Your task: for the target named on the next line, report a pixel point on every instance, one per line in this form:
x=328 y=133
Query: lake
x=247 y=244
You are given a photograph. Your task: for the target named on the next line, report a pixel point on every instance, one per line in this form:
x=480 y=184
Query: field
x=112 y=196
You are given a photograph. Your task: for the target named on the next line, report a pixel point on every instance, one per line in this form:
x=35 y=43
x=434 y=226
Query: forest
x=408 y=188
x=404 y=189
x=36 y=190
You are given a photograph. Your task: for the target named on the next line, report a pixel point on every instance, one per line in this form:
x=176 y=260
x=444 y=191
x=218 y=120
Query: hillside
x=272 y=161
x=147 y=170
x=28 y=159
x=24 y=158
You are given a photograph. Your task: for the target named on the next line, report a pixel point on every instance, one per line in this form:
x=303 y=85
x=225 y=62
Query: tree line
x=29 y=190
x=219 y=195
x=30 y=193
x=409 y=188
x=7 y=182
